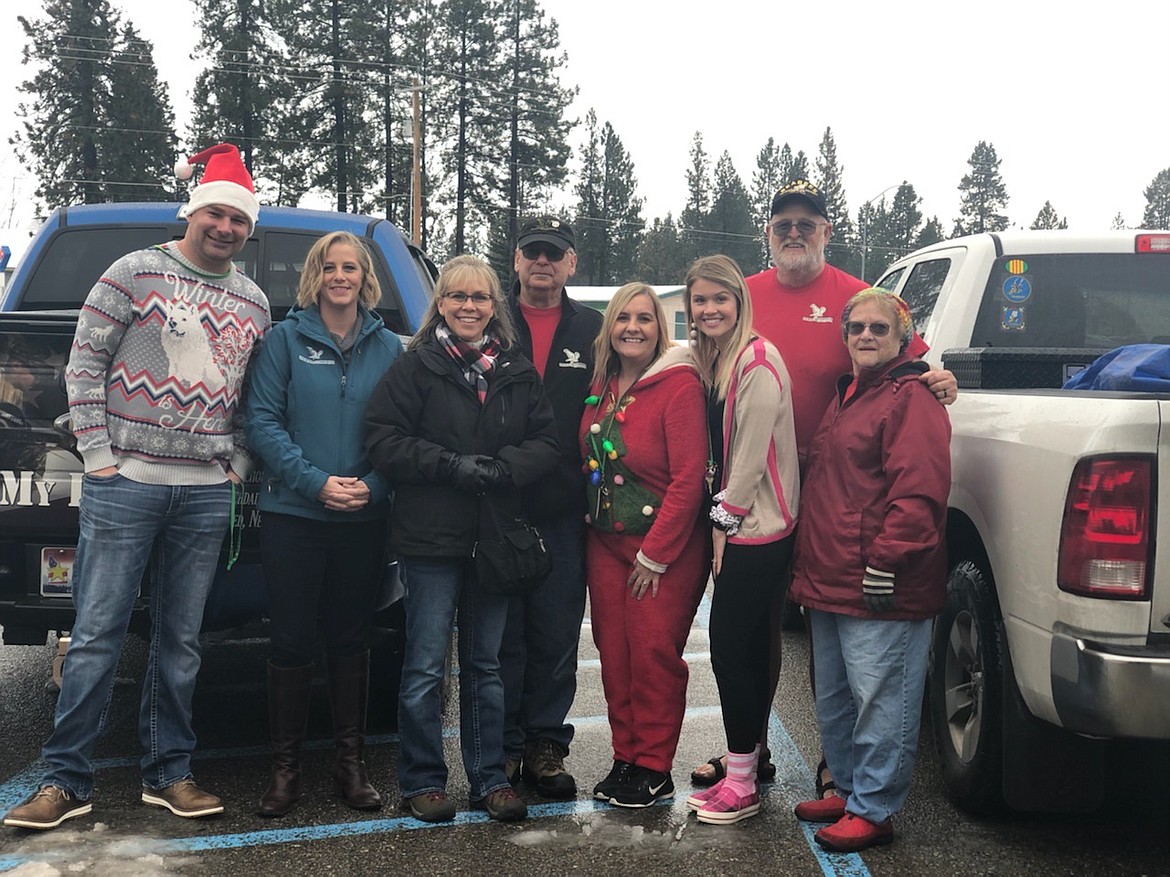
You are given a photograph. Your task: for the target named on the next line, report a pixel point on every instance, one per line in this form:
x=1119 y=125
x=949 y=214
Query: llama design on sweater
x=190 y=357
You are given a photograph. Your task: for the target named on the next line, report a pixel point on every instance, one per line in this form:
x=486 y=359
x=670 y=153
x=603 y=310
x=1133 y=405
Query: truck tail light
x=1105 y=538
x=1152 y=243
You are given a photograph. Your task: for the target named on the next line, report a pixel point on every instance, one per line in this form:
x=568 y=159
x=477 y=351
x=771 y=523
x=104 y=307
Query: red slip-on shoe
x=851 y=834
x=828 y=809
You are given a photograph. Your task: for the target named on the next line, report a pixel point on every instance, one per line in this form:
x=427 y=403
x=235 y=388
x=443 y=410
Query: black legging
x=741 y=634
x=320 y=572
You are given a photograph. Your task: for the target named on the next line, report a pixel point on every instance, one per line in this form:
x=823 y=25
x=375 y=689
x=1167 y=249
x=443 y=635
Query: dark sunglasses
x=878 y=330
x=532 y=252
x=805 y=227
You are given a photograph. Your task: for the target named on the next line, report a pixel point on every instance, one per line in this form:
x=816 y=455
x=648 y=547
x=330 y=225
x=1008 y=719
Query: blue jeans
x=870 y=677
x=538 y=659
x=121 y=521
x=439 y=591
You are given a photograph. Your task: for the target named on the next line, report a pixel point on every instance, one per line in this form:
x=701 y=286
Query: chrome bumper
x=1110 y=691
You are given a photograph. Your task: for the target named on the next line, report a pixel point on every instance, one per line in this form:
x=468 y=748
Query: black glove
x=494 y=474
x=463 y=471
x=877 y=588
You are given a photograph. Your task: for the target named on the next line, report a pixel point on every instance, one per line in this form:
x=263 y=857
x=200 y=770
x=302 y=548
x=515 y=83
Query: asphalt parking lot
x=322 y=836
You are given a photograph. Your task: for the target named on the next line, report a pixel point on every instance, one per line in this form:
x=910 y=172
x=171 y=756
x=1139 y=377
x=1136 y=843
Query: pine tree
x=731 y=218
x=843 y=249
x=140 y=149
x=609 y=213
x=1048 y=218
x=1118 y=223
x=932 y=233
x=246 y=95
x=538 y=149
x=984 y=195
x=99 y=124
x=695 y=214
x=792 y=167
x=470 y=32
x=662 y=255
x=765 y=182
x=1157 y=212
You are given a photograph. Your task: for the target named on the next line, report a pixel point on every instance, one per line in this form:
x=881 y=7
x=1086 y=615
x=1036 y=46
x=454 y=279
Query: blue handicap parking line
x=798 y=785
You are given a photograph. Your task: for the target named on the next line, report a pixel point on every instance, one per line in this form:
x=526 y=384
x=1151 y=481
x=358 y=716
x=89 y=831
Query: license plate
x=57 y=571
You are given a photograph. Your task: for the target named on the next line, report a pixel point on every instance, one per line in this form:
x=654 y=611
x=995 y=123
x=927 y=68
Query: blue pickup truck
x=40 y=471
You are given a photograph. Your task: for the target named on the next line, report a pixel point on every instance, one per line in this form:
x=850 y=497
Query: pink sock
x=741 y=771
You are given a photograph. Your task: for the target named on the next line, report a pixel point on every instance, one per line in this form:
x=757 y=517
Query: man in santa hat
x=154 y=378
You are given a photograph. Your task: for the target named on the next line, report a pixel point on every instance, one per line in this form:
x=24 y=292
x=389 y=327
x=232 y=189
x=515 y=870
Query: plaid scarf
x=474 y=362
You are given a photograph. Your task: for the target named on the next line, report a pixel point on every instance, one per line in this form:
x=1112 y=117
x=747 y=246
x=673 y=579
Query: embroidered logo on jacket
x=315 y=357
x=816 y=314
x=572 y=359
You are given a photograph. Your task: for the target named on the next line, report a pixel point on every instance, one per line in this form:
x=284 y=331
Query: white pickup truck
x=1055 y=638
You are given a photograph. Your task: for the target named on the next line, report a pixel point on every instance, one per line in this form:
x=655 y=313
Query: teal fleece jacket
x=306 y=413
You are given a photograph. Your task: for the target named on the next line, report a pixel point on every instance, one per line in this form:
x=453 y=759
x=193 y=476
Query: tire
x=966 y=692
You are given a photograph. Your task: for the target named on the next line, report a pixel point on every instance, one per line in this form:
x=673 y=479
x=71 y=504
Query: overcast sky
x=1074 y=97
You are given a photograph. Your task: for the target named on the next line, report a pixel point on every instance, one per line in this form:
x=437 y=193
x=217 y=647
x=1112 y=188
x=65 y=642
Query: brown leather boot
x=288 y=716
x=349 y=677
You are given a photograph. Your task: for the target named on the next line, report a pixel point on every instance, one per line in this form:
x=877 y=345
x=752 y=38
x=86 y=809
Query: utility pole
x=416 y=169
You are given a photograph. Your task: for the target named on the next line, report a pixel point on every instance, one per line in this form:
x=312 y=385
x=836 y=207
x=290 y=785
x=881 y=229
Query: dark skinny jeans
x=320 y=572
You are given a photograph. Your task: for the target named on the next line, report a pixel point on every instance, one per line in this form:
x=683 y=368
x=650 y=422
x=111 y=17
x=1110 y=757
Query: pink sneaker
x=728 y=807
x=701 y=797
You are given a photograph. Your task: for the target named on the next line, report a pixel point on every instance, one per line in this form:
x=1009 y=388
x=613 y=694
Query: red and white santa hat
x=225 y=181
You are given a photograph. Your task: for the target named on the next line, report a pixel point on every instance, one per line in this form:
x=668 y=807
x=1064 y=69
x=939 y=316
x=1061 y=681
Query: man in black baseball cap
x=546 y=230
x=800 y=191
x=538 y=659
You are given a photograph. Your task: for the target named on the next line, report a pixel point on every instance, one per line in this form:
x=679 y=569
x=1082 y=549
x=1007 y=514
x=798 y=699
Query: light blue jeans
x=870 y=676
x=439 y=591
x=121 y=521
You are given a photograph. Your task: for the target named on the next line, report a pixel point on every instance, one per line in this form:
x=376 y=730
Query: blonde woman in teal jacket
x=323 y=508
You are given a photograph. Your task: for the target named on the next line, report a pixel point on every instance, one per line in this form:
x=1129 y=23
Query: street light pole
x=865 y=224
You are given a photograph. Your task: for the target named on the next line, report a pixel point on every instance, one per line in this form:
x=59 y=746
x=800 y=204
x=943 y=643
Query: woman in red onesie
x=647 y=551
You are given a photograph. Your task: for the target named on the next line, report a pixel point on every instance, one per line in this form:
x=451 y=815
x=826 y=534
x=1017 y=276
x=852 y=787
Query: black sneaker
x=642 y=788
x=604 y=790
x=544 y=769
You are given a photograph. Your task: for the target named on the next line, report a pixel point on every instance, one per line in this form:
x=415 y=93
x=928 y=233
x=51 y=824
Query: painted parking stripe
x=797 y=784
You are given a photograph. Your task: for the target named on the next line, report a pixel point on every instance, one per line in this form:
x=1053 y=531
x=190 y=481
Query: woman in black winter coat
x=460 y=414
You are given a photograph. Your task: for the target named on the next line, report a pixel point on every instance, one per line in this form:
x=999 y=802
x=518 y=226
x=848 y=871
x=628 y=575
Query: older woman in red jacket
x=871 y=569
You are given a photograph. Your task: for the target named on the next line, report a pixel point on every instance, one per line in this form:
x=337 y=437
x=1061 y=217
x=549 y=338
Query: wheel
x=966 y=686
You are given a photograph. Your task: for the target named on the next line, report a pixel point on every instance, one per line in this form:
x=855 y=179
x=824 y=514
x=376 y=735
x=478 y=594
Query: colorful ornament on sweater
x=618 y=502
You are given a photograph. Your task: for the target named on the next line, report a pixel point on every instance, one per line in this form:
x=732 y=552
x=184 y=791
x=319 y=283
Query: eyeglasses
x=532 y=252
x=878 y=330
x=805 y=227
x=479 y=299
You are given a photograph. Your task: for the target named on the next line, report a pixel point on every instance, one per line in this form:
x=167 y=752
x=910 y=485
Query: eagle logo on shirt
x=316 y=356
x=816 y=314
x=572 y=359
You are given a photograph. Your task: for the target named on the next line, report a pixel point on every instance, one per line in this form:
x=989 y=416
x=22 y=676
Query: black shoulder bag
x=510 y=555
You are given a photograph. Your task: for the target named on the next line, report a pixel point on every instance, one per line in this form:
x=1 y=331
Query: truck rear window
x=1095 y=300
x=32 y=379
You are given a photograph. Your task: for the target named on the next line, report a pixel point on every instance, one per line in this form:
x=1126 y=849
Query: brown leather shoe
x=184 y=798
x=430 y=807
x=46 y=809
x=503 y=805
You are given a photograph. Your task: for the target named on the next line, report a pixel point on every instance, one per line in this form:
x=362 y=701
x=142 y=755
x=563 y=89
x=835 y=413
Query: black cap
x=801 y=190
x=547 y=230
